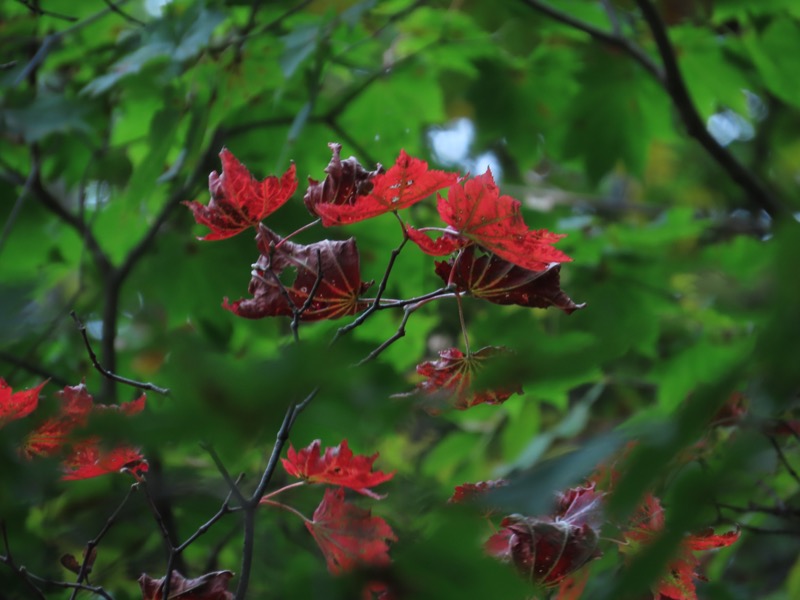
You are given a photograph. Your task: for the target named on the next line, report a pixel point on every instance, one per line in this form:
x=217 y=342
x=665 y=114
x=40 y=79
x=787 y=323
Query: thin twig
x=52 y=40
x=297 y=313
x=20 y=570
x=252 y=505
x=783 y=458
x=401 y=331
x=23 y=195
x=381 y=289
x=142 y=385
x=232 y=485
x=42 y=12
x=123 y=14
x=92 y=544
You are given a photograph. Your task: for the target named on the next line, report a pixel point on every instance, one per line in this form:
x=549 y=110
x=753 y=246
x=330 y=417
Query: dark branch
x=142 y=385
x=695 y=127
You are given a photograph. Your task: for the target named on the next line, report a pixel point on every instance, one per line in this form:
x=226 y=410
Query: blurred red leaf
x=337 y=466
x=334 y=263
x=468 y=491
x=349 y=536
x=239 y=201
x=451 y=377
x=678 y=581
x=544 y=551
x=501 y=282
x=477 y=212
x=84 y=458
x=88 y=460
x=346 y=180
x=18 y=404
x=211 y=586
x=407 y=182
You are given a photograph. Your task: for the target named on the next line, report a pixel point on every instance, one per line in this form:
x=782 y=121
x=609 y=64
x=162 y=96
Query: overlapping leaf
x=327 y=272
x=451 y=377
x=478 y=213
x=349 y=536
x=545 y=551
x=345 y=181
x=407 y=182
x=494 y=279
x=83 y=458
x=238 y=200
x=15 y=405
x=211 y=586
x=337 y=466
x=678 y=581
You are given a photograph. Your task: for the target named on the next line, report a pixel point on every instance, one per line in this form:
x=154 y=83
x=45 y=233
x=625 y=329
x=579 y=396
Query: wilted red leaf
x=501 y=282
x=346 y=180
x=377 y=590
x=581 y=505
x=337 y=466
x=407 y=182
x=678 y=580
x=571 y=588
x=88 y=460
x=467 y=491
x=451 y=377
x=335 y=263
x=211 y=586
x=477 y=212
x=349 y=536
x=239 y=201
x=544 y=551
x=18 y=404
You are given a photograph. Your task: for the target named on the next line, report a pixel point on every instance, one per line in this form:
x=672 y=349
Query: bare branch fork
x=670 y=78
x=143 y=385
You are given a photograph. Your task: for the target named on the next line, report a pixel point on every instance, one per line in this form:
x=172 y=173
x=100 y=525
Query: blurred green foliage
x=111 y=118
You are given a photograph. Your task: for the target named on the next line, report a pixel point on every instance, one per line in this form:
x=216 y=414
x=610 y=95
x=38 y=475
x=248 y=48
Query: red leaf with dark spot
x=468 y=491
x=494 y=279
x=239 y=201
x=407 y=182
x=346 y=180
x=349 y=536
x=16 y=405
x=477 y=212
x=335 y=263
x=211 y=586
x=337 y=466
x=544 y=551
x=451 y=377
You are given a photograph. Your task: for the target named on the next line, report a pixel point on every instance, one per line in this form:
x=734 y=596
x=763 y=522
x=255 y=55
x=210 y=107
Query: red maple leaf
x=349 y=536
x=494 y=279
x=239 y=201
x=468 y=491
x=337 y=466
x=334 y=263
x=678 y=581
x=478 y=213
x=211 y=586
x=16 y=405
x=83 y=458
x=407 y=182
x=451 y=377
x=545 y=551
x=346 y=180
